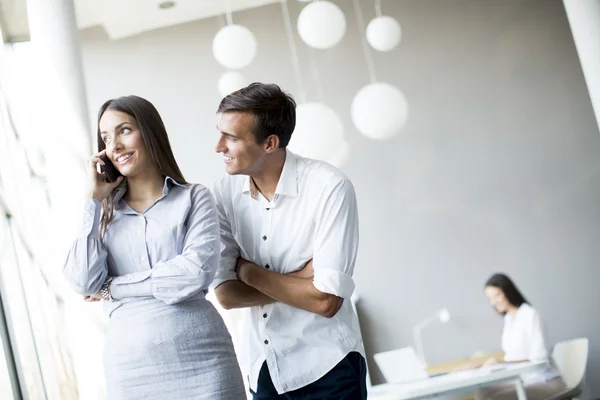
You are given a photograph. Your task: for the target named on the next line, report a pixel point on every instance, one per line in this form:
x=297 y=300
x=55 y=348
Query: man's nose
x=220 y=147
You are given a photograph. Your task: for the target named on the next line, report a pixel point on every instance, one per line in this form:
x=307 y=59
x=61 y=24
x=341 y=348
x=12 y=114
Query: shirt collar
x=169 y=182
x=520 y=311
x=167 y=187
x=288 y=180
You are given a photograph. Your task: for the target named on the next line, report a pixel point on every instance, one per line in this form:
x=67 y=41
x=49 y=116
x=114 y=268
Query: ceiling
x=123 y=18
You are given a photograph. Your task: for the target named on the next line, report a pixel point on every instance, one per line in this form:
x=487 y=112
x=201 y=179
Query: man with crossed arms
x=289 y=231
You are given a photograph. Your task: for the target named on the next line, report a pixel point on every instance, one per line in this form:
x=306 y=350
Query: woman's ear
x=271 y=143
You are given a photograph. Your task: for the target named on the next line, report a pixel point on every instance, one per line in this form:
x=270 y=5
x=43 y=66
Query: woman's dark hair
x=504 y=283
x=155 y=139
x=274 y=110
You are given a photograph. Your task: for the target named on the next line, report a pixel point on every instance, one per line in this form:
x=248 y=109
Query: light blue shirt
x=170 y=252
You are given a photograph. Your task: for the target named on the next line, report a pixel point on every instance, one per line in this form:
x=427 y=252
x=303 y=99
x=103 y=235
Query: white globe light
x=341 y=155
x=321 y=24
x=383 y=33
x=379 y=111
x=234 y=46
x=319 y=131
x=231 y=81
x=444 y=315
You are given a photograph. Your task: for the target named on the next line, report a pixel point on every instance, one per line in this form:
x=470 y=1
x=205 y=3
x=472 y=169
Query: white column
x=58 y=104
x=584 y=18
x=54 y=33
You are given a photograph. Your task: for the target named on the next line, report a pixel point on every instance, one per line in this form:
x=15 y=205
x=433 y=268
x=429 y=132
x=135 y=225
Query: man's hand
x=243 y=269
x=237 y=293
x=306 y=272
x=295 y=291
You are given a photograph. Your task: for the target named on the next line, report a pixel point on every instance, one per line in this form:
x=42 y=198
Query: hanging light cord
x=315 y=73
x=293 y=50
x=228 y=12
x=360 y=22
x=378 y=8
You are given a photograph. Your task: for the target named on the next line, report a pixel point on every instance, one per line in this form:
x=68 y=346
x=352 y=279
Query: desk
x=452 y=366
x=457 y=381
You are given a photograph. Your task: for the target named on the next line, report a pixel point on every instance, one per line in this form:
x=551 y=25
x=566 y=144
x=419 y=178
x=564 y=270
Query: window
x=33 y=342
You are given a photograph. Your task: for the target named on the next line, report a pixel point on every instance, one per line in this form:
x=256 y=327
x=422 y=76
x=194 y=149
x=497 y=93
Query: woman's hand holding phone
x=100 y=186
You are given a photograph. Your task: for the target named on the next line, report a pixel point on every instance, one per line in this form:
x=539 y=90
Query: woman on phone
x=150 y=249
x=523 y=339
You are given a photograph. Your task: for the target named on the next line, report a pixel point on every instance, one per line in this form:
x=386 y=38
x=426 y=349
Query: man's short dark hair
x=274 y=110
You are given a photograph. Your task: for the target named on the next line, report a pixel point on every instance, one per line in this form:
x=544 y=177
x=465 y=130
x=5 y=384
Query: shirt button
x=142 y=258
x=264 y=238
x=265 y=315
x=266 y=342
x=267 y=266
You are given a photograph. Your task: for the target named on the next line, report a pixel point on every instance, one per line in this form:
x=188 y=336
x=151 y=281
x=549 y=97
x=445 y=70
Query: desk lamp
x=442 y=316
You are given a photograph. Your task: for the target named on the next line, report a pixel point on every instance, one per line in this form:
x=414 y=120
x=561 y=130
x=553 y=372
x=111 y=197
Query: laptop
x=400 y=365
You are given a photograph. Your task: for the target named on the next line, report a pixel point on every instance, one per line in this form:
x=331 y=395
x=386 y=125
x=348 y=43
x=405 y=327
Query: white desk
x=457 y=381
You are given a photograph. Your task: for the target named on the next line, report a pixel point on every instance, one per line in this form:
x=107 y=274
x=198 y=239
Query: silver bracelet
x=105 y=290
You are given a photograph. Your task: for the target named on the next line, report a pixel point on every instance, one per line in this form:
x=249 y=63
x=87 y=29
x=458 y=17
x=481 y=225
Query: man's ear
x=271 y=143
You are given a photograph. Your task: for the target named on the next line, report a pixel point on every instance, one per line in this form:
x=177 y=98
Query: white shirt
x=313 y=215
x=524 y=338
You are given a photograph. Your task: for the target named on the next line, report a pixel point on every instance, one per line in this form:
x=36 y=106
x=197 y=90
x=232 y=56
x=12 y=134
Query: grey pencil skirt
x=155 y=351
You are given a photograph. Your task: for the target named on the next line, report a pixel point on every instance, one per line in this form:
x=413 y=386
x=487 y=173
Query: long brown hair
x=508 y=287
x=155 y=139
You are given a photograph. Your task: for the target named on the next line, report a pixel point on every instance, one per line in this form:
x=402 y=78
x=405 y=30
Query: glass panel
x=34 y=314
x=55 y=363
x=17 y=316
x=6 y=385
x=6 y=390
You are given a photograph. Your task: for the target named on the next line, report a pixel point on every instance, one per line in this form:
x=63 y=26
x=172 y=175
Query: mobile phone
x=112 y=173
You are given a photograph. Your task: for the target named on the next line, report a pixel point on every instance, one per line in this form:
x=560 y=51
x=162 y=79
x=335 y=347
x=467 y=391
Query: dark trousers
x=346 y=381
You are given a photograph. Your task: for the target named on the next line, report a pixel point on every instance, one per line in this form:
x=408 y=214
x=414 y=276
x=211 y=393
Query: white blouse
x=524 y=338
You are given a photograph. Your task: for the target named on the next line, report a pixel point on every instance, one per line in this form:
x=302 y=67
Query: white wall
x=497 y=170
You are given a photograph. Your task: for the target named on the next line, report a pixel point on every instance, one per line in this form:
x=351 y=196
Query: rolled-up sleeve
x=336 y=241
x=85 y=267
x=188 y=273
x=230 y=250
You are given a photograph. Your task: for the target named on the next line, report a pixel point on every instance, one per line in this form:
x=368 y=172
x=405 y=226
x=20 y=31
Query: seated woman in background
x=523 y=339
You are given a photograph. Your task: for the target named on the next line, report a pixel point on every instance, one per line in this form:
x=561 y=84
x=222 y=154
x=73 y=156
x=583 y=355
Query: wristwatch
x=105 y=290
